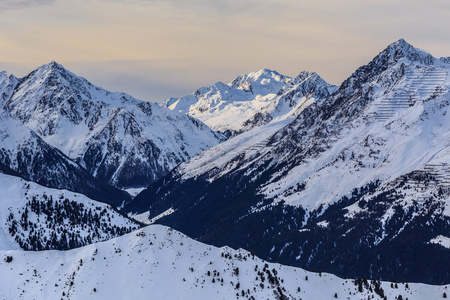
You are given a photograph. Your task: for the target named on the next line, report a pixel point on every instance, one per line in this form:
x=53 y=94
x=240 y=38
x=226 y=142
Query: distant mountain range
x=358 y=184
x=252 y=100
x=113 y=137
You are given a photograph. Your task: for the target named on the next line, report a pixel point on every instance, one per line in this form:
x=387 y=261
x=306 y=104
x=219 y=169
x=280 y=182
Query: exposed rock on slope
x=24 y=153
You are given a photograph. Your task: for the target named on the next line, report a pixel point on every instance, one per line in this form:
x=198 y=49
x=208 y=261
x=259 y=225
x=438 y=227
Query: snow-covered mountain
x=33 y=217
x=252 y=100
x=116 y=138
x=157 y=262
x=23 y=153
x=353 y=179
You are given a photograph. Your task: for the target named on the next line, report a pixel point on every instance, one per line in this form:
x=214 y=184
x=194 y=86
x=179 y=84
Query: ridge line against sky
x=154 y=49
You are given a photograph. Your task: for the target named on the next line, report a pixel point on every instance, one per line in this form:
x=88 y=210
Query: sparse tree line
x=62 y=224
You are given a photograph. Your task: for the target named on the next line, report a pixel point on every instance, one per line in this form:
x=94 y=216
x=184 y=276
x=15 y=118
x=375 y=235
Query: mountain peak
x=305 y=75
x=315 y=79
x=51 y=70
x=262 y=79
x=6 y=75
x=403 y=47
x=53 y=65
x=261 y=74
x=311 y=83
x=397 y=53
x=401 y=43
x=266 y=71
x=403 y=51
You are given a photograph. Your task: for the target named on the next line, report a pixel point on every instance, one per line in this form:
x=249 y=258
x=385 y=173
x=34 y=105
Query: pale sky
x=155 y=49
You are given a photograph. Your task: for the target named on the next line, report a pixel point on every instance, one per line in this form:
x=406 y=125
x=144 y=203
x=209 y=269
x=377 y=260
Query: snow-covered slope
x=33 y=217
x=355 y=175
x=24 y=152
x=118 y=139
x=252 y=100
x=388 y=119
x=160 y=263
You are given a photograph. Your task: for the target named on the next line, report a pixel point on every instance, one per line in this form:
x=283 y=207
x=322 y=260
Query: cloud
x=20 y=4
x=222 y=7
x=162 y=48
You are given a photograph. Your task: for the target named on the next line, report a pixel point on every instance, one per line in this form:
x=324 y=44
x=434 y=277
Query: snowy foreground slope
x=351 y=180
x=33 y=217
x=252 y=100
x=116 y=138
x=157 y=262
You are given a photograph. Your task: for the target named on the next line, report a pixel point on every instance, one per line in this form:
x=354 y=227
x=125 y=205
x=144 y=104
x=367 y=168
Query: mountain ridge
x=252 y=100
x=34 y=217
x=25 y=154
x=116 y=138
x=384 y=127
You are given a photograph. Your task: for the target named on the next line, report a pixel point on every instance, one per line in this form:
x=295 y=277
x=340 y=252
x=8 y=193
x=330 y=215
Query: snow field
x=157 y=262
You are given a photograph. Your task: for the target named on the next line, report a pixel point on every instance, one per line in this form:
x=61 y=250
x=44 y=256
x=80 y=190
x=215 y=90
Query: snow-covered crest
x=402 y=50
x=252 y=100
x=264 y=79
